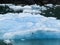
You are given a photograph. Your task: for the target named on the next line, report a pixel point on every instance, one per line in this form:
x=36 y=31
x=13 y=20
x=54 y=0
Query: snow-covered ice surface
x=26 y=25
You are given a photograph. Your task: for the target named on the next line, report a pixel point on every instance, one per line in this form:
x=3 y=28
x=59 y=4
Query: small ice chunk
x=16 y=8
x=43 y=8
x=50 y=5
x=32 y=11
x=27 y=7
x=7 y=41
x=22 y=39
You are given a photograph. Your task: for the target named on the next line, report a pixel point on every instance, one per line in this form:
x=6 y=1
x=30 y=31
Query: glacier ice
x=26 y=25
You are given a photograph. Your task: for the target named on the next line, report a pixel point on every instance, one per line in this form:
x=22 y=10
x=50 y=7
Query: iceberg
x=26 y=25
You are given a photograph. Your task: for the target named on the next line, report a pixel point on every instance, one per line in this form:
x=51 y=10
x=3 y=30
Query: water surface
x=38 y=42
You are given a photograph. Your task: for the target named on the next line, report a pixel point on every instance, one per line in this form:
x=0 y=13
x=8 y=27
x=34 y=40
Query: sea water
x=38 y=42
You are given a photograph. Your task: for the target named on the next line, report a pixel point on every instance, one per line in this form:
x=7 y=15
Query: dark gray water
x=37 y=42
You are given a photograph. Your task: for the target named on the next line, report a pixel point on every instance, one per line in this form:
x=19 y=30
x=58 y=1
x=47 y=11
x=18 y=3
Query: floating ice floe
x=28 y=7
x=16 y=8
x=49 y=5
x=32 y=11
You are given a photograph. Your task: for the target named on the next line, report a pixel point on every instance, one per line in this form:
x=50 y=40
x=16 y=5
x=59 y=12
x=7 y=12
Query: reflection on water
x=37 y=42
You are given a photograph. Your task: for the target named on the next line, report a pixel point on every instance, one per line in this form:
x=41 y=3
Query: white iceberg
x=28 y=26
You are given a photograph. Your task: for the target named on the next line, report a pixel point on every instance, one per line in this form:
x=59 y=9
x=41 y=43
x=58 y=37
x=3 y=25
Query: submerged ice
x=26 y=25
